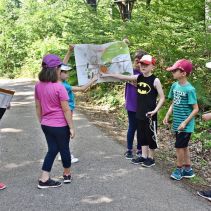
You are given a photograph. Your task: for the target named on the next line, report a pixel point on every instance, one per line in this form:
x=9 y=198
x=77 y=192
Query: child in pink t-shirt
x=54 y=114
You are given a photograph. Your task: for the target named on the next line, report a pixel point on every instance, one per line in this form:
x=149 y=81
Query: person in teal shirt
x=71 y=89
x=184 y=96
x=184 y=107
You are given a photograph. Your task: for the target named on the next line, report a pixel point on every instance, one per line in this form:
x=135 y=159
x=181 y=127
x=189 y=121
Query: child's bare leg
x=44 y=176
x=180 y=156
x=187 y=169
x=187 y=161
x=66 y=171
x=145 y=150
x=151 y=153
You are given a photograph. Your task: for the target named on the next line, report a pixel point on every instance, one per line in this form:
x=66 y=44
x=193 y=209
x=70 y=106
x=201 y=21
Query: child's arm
x=168 y=114
x=68 y=117
x=192 y=114
x=38 y=109
x=159 y=88
x=67 y=56
x=206 y=117
x=120 y=76
x=86 y=86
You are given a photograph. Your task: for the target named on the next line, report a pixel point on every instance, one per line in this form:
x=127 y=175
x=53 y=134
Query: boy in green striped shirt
x=184 y=107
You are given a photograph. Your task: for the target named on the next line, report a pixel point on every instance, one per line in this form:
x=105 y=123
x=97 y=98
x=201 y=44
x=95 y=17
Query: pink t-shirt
x=50 y=96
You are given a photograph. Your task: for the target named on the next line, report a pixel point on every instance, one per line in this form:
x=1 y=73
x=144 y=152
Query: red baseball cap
x=148 y=59
x=182 y=64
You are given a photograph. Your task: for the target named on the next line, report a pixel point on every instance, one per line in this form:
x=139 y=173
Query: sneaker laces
x=178 y=171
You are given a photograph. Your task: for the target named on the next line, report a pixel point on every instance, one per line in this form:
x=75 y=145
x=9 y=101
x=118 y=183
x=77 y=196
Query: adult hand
x=72 y=132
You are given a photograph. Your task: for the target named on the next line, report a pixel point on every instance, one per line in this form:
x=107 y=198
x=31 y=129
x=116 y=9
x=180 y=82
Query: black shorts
x=182 y=139
x=145 y=134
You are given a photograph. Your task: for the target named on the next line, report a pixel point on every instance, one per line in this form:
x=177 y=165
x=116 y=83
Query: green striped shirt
x=184 y=97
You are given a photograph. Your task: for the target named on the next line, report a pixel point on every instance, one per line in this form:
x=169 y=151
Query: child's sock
x=179 y=167
x=187 y=167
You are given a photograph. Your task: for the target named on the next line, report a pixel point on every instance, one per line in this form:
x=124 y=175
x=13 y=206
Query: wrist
x=168 y=114
x=185 y=122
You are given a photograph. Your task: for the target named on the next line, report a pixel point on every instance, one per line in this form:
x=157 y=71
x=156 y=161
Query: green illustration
x=113 y=51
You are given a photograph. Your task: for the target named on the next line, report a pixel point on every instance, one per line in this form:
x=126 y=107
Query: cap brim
x=65 y=67
x=145 y=62
x=208 y=65
x=169 y=69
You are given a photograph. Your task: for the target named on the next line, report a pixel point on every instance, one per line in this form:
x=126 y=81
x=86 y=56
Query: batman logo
x=143 y=88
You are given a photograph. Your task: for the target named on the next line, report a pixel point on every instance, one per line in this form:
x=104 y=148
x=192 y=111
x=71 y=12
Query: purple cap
x=182 y=64
x=51 y=60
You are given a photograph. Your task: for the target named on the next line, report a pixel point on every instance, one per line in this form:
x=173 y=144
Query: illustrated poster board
x=113 y=57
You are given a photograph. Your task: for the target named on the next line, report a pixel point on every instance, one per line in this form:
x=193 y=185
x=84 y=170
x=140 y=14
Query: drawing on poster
x=111 y=57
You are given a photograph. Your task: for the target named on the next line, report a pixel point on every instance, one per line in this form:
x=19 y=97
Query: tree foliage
x=169 y=30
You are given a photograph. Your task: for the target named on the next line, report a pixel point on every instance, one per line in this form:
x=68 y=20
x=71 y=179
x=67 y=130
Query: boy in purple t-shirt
x=131 y=106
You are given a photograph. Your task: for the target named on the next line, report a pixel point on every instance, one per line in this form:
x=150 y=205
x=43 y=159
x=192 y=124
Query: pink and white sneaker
x=2 y=186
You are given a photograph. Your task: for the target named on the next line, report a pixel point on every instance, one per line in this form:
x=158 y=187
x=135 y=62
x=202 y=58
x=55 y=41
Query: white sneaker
x=59 y=157
x=73 y=159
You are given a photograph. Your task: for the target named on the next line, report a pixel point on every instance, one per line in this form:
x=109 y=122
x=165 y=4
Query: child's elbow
x=163 y=99
x=197 y=109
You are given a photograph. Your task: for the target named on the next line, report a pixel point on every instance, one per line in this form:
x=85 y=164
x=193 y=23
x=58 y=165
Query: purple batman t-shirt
x=131 y=95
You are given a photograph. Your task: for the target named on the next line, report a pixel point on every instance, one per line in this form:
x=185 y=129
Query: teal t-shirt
x=71 y=101
x=184 y=97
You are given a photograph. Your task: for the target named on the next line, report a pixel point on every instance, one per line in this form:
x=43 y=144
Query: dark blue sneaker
x=139 y=153
x=149 y=162
x=128 y=155
x=138 y=160
x=188 y=173
x=177 y=174
x=205 y=194
x=49 y=184
x=67 y=179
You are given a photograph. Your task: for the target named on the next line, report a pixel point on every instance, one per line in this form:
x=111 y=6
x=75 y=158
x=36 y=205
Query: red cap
x=182 y=64
x=148 y=59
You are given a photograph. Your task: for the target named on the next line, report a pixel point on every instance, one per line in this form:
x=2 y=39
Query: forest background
x=168 y=30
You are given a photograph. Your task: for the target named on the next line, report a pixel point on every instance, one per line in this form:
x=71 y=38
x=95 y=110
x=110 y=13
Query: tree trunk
x=148 y=3
x=92 y=3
